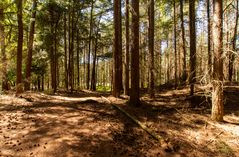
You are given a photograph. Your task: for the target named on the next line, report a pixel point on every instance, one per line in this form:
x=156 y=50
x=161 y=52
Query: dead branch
x=145 y=128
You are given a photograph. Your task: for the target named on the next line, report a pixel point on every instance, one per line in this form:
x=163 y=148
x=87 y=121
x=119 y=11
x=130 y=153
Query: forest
x=119 y=78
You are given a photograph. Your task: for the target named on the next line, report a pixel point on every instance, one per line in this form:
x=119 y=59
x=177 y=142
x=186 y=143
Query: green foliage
x=224 y=149
x=40 y=63
x=11 y=76
x=101 y=88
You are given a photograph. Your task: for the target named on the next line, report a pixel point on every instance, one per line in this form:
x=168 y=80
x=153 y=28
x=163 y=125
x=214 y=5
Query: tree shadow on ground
x=96 y=129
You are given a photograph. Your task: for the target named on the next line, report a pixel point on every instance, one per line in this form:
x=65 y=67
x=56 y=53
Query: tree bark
x=30 y=46
x=19 y=47
x=117 y=52
x=3 y=52
x=217 y=91
x=175 y=47
x=72 y=47
x=232 y=54
x=66 y=54
x=126 y=81
x=209 y=41
x=184 y=75
x=151 y=47
x=93 y=73
x=134 y=93
x=90 y=36
x=192 y=76
x=78 y=58
x=69 y=46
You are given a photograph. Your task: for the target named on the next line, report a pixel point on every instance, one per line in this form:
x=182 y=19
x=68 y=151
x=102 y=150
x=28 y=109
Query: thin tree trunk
x=54 y=81
x=126 y=82
x=175 y=47
x=209 y=41
x=72 y=47
x=232 y=54
x=192 y=76
x=69 y=47
x=134 y=93
x=151 y=47
x=93 y=76
x=184 y=75
x=90 y=36
x=160 y=63
x=30 y=46
x=78 y=58
x=217 y=91
x=42 y=83
x=19 y=47
x=65 y=55
x=3 y=52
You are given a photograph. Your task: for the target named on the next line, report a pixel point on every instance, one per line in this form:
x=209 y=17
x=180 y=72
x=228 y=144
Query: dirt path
x=84 y=125
x=44 y=126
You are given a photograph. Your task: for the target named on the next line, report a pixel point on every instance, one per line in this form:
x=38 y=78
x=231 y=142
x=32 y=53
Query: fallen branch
x=212 y=140
x=145 y=128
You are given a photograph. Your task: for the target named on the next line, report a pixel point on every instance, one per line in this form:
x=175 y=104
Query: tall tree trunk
x=84 y=67
x=90 y=39
x=160 y=62
x=117 y=52
x=69 y=47
x=134 y=93
x=78 y=58
x=42 y=83
x=232 y=54
x=65 y=49
x=93 y=76
x=55 y=60
x=209 y=63
x=217 y=91
x=52 y=55
x=126 y=81
x=184 y=75
x=72 y=47
x=151 y=47
x=192 y=76
x=3 y=51
x=19 y=47
x=30 y=46
x=175 y=47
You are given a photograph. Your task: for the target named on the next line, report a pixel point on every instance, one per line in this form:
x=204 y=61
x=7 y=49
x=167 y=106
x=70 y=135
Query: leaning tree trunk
x=30 y=46
x=192 y=76
x=134 y=93
x=19 y=47
x=151 y=47
x=217 y=91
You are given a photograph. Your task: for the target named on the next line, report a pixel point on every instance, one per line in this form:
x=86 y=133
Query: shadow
x=91 y=128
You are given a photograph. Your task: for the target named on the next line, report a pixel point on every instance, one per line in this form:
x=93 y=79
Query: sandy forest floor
x=84 y=124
